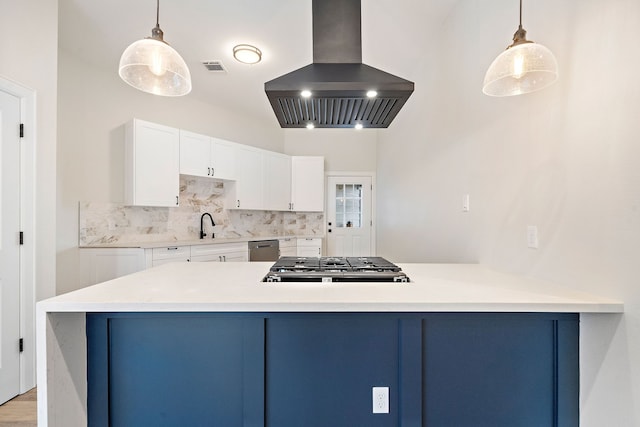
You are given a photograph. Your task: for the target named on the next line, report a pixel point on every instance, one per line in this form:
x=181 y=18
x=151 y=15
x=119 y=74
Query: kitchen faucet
x=202 y=233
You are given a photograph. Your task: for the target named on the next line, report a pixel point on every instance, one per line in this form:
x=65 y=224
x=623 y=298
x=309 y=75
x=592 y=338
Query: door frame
x=374 y=223
x=27 y=250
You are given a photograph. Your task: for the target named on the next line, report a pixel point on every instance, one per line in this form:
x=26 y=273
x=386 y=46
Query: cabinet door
x=152 y=166
x=499 y=370
x=195 y=154
x=277 y=181
x=309 y=247
x=288 y=247
x=307 y=183
x=101 y=264
x=249 y=185
x=223 y=159
x=320 y=370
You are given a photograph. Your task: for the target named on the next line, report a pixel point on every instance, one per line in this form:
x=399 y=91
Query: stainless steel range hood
x=337 y=79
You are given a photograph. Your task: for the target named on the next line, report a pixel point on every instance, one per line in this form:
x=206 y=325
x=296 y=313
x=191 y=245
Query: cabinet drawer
x=288 y=243
x=310 y=241
x=292 y=251
x=170 y=252
x=218 y=249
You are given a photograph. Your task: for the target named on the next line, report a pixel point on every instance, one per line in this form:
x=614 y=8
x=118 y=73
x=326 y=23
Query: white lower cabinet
x=223 y=252
x=288 y=246
x=101 y=264
x=309 y=247
x=168 y=254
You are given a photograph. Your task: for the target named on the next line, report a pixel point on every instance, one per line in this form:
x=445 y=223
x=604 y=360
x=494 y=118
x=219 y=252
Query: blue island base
x=318 y=369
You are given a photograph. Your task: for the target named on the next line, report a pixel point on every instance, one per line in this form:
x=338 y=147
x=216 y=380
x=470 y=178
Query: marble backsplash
x=112 y=223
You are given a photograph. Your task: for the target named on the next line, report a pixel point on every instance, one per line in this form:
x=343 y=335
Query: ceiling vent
x=214 y=66
x=337 y=90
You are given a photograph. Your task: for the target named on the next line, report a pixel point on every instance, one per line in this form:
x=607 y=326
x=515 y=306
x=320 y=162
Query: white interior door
x=349 y=219
x=9 y=246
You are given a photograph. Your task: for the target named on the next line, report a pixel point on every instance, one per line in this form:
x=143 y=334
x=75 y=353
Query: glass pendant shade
x=153 y=66
x=522 y=68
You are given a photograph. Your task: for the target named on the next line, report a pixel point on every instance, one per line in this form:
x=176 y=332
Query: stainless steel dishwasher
x=264 y=250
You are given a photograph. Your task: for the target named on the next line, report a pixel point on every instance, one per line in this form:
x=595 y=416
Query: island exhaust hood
x=339 y=90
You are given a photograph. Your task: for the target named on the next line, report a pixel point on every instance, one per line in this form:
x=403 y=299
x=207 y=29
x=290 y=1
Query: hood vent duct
x=337 y=79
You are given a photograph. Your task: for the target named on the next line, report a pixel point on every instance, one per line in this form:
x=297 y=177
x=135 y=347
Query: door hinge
x=21 y=130
x=22 y=237
x=21 y=345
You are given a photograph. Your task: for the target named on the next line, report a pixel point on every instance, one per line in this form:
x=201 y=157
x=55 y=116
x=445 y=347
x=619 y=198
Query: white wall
x=29 y=34
x=344 y=150
x=564 y=159
x=93 y=106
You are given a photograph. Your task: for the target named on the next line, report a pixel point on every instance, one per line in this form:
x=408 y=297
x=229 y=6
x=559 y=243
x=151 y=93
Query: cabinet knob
x=208 y=171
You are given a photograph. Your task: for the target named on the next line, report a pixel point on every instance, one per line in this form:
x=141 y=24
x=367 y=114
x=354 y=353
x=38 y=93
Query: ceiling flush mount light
x=523 y=67
x=247 y=54
x=153 y=66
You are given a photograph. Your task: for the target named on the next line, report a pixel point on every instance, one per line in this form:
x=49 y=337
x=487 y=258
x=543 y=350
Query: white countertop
x=205 y=241
x=236 y=287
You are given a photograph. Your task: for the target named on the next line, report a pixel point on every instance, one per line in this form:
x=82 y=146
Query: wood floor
x=20 y=411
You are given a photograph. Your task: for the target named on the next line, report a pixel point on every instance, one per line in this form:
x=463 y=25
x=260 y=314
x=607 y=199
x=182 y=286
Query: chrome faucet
x=202 y=233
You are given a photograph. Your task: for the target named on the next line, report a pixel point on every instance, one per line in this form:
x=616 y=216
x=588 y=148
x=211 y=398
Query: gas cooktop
x=334 y=269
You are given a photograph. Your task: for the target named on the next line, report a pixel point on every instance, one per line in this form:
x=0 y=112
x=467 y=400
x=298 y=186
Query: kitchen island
x=208 y=340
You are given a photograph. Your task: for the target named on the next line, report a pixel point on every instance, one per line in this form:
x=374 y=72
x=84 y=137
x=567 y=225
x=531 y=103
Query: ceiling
x=203 y=30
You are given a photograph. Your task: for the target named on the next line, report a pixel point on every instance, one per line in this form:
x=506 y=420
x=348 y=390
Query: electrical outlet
x=380 y=400
x=532 y=237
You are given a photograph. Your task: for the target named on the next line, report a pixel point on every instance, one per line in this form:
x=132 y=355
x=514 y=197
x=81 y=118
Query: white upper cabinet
x=156 y=155
x=307 y=183
x=195 y=154
x=152 y=164
x=223 y=158
x=202 y=155
x=277 y=181
x=247 y=192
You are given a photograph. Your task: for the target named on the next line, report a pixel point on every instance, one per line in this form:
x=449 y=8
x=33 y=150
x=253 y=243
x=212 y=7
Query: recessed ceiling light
x=310 y=126
x=372 y=94
x=359 y=126
x=305 y=93
x=247 y=54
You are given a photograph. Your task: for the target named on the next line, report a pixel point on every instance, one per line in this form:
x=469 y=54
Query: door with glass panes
x=349 y=216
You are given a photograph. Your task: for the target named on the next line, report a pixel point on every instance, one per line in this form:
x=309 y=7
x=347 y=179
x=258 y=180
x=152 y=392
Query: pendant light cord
x=520 y=13
x=520 y=35
x=156 y=33
x=158 y=13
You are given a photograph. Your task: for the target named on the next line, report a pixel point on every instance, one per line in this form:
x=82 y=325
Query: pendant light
x=523 y=67
x=153 y=66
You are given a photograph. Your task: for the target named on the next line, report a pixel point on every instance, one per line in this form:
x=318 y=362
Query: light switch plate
x=465 y=203
x=532 y=237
